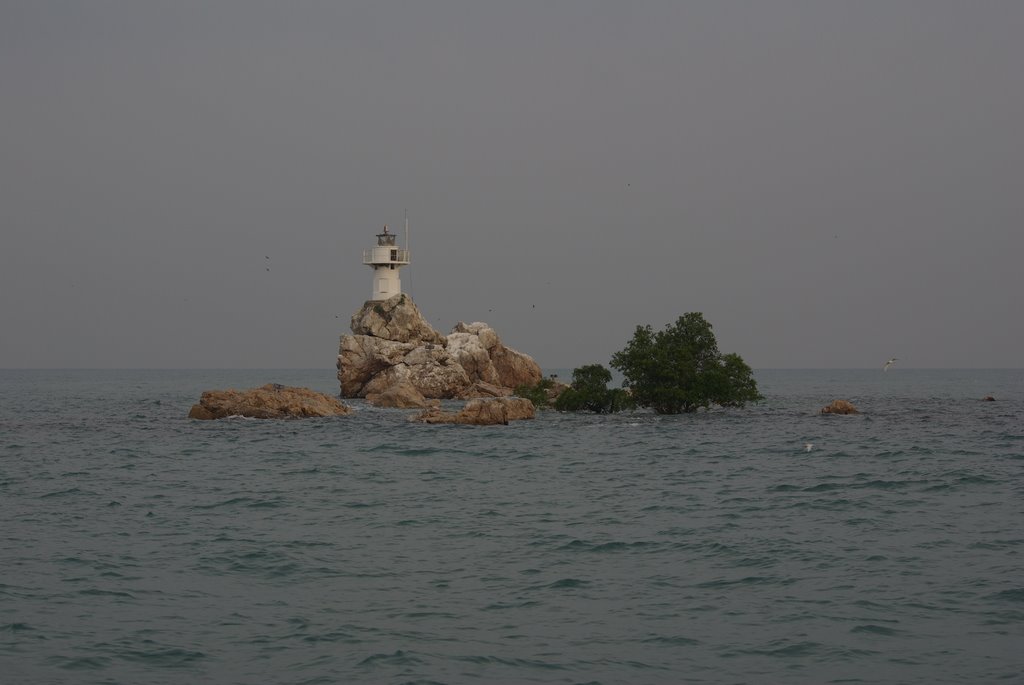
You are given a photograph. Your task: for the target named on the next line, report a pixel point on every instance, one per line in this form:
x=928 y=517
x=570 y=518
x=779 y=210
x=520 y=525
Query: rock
x=501 y=366
x=368 y=365
x=361 y=357
x=432 y=372
x=198 y=411
x=468 y=350
x=404 y=395
x=518 y=408
x=839 y=407
x=271 y=401
x=481 y=389
x=396 y=319
x=555 y=390
x=392 y=343
x=483 y=412
x=515 y=368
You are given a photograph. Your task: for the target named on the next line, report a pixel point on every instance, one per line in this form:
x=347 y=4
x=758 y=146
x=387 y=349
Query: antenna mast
x=408 y=255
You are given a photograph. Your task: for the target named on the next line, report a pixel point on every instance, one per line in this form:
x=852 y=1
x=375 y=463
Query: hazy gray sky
x=830 y=183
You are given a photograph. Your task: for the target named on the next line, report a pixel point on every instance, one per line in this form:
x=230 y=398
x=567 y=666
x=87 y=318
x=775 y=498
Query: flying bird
x=889 y=363
x=808 y=446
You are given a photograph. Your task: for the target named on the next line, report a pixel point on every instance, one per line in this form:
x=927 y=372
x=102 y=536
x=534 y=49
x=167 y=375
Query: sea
x=770 y=544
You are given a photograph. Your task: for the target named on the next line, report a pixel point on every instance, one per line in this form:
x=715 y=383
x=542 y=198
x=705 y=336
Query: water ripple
x=140 y=546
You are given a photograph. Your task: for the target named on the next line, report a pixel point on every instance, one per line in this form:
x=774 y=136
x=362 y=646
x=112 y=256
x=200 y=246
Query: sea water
x=139 y=546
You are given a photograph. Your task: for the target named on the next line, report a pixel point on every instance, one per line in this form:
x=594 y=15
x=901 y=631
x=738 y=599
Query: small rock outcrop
x=483 y=412
x=839 y=407
x=271 y=401
x=393 y=344
x=401 y=396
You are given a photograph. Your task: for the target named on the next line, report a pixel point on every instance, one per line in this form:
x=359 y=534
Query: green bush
x=589 y=392
x=538 y=393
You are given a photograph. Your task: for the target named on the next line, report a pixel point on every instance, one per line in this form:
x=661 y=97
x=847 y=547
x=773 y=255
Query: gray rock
x=404 y=395
x=271 y=401
x=483 y=412
x=392 y=343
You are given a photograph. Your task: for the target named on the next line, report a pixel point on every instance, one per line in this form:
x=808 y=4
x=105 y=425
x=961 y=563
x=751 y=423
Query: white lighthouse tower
x=386 y=259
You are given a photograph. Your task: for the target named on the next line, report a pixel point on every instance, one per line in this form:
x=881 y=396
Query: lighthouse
x=386 y=260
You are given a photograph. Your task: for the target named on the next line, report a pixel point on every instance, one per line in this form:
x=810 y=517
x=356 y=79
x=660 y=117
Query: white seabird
x=889 y=363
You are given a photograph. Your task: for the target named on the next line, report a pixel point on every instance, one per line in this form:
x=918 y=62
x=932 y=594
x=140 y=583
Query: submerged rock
x=839 y=407
x=271 y=401
x=483 y=412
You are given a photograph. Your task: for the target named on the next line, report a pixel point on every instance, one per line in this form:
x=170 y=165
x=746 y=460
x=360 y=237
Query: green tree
x=538 y=394
x=679 y=369
x=589 y=392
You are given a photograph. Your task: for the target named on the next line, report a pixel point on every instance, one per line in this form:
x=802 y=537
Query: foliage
x=538 y=394
x=589 y=392
x=620 y=400
x=679 y=369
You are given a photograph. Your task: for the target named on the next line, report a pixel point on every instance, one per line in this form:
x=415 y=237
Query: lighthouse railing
x=386 y=255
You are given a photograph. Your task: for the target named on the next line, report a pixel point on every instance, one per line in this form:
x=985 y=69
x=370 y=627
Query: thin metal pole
x=408 y=255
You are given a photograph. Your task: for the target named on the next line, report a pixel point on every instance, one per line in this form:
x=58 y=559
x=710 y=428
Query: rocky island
x=394 y=358
x=392 y=345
